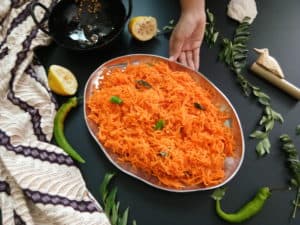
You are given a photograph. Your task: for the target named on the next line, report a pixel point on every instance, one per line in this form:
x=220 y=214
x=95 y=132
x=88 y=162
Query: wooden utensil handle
x=275 y=80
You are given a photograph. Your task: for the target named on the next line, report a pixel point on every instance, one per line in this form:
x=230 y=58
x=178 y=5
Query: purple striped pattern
x=34 y=152
x=45 y=198
x=4 y=52
x=31 y=72
x=34 y=113
x=4 y=187
x=18 y=220
x=16 y=21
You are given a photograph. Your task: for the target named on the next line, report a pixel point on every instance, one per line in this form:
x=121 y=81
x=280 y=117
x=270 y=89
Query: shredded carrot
x=191 y=147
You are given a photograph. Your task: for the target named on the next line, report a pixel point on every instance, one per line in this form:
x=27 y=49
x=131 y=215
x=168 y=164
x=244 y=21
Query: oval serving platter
x=231 y=164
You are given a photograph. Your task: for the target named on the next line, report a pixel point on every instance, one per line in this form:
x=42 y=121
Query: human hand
x=186 y=39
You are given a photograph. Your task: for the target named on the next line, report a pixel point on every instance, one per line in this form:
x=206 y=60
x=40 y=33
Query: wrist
x=193 y=10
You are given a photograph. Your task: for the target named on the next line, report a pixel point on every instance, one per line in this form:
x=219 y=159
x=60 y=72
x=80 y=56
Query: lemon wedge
x=143 y=28
x=62 y=81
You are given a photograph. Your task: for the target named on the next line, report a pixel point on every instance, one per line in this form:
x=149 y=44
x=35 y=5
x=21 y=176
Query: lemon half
x=62 y=81
x=143 y=28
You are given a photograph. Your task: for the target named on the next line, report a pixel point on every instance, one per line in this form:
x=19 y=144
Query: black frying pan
x=82 y=28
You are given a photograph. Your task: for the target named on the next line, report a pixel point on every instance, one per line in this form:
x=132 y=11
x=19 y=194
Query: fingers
x=196 y=58
x=176 y=44
x=183 y=58
x=190 y=60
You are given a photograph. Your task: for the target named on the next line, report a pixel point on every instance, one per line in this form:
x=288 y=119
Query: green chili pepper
x=247 y=211
x=159 y=125
x=116 y=100
x=59 y=129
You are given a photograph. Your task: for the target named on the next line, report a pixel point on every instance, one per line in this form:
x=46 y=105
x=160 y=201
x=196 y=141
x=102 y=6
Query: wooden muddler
x=276 y=80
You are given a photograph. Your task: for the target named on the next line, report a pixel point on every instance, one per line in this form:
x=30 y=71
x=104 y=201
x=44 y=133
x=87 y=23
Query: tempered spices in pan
x=90 y=6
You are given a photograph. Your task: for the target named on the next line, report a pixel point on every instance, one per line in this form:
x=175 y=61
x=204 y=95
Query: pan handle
x=46 y=17
x=129 y=10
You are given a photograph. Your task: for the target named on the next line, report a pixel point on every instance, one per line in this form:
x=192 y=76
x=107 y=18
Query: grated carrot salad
x=191 y=147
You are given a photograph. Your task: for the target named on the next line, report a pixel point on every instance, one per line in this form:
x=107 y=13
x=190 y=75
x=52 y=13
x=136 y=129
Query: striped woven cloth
x=39 y=183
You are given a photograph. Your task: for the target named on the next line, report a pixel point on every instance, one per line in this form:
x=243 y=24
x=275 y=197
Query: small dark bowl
x=77 y=28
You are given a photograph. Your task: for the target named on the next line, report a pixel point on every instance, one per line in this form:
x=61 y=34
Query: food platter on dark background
x=277 y=28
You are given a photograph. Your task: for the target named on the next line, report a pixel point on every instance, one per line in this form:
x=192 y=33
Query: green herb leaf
x=160 y=124
x=298 y=130
x=124 y=218
x=215 y=37
x=115 y=213
x=210 y=35
x=294 y=183
x=210 y=16
x=284 y=138
x=264 y=120
x=259 y=134
x=110 y=201
x=277 y=116
x=292 y=158
x=104 y=184
x=111 y=208
x=219 y=193
x=116 y=100
x=234 y=54
x=269 y=125
x=263 y=146
x=198 y=106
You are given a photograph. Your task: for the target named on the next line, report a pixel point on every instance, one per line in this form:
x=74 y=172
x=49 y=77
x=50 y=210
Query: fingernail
x=172 y=58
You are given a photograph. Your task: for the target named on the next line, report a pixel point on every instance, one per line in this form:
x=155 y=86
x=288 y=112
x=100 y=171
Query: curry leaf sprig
x=210 y=34
x=234 y=55
x=111 y=207
x=294 y=165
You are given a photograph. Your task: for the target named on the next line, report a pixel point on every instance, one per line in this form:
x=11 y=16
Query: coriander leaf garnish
x=159 y=125
x=116 y=100
x=292 y=158
x=198 y=106
x=111 y=207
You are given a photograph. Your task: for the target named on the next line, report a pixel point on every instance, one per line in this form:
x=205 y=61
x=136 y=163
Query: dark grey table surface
x=277 y=28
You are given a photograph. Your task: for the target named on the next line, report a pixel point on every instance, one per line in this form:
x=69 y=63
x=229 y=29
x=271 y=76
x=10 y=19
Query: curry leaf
x=263 y=146
x=234 y=54
x=111 y=207
x=210 y=35
x=103 y=187
x=292 y=158
x=298 y=130
x=198 y=106
x=259 y=134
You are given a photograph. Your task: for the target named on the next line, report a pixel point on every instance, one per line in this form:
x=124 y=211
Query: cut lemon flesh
x=62 y=81
x=143 y=28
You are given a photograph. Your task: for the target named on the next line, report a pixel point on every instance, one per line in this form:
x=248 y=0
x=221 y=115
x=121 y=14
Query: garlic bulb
x=239 y=9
